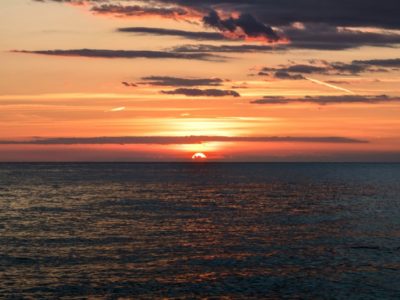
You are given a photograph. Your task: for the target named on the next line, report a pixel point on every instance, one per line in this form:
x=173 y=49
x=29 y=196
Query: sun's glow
x=199 y=156
x=207 y=126
x=203 y=147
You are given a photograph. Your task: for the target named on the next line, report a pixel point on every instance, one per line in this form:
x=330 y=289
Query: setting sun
x=199 y=156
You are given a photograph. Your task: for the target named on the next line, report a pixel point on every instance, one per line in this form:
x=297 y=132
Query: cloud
x=326 y=37
x=337 y=82
x=244 y=25
x=325 y=100
x=338 y=13
x=287 y=75
x=202 y=93
x=309 y=36
x=356 y=67
x=176 y=81
x=129 y=84
x=297 y=71
x=100 y=53
x=300 y=68
x=194 y=35
x=133 y=10
x=386 y=63
x=140 y=11
x=171 y=140
x=312 y=37
x=307 y=24
x=205 y=48
x=291 y=45
x=354 y=13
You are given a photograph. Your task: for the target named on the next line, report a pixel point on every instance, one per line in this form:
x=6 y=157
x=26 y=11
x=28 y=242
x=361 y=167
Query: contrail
x=330 y=85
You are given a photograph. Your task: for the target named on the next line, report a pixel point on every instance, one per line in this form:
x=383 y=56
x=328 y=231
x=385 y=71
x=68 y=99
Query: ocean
x=199 y=230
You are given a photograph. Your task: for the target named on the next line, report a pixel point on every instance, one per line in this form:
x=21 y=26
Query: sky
x=261 y=80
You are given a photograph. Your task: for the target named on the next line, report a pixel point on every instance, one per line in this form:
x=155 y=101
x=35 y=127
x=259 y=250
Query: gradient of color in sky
x=291 y=80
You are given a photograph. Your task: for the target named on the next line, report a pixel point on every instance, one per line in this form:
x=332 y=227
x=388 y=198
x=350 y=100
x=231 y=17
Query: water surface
x=145 y=231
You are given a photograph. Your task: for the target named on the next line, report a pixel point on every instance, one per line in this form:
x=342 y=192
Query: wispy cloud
x=129 y=84
x=322 y=67
x=194 y=35
x=101 y=53
x=119 y=10
x=200 y=92
x=309 y=36
x=178 y=81
x=385 y=63
x=325 y=100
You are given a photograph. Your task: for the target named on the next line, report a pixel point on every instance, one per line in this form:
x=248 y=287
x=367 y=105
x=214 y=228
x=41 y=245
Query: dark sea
x=199 y=231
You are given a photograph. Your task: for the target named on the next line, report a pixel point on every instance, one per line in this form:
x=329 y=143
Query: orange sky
x=43 y=96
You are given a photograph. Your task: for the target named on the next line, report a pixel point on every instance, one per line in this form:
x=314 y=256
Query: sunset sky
x=262 y=80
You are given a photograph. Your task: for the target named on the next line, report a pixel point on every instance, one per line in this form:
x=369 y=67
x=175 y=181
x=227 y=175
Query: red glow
x=199 y=156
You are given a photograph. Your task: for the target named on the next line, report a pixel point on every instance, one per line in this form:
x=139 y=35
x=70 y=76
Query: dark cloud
x=137 y=11
x=296 y=71
x=194 y=35
x=337 y=82
x=273 y=100
x=356 y=67
x=205 y=48
x=110 y=7
x=321 y=22
x=386 y=63
x=355 y=13
x=325 y=37
x=129 y=84
x=176 y=81
x=245 y=22
x=300 y=68
x=349 y=68
x=240 y=86
x=287 y=75
x=97 y=53
x=312 y=37
x=200 y=92
x=170 y=140
x=325 y=100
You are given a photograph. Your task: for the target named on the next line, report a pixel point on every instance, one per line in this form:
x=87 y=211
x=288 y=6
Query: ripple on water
x=193 y=231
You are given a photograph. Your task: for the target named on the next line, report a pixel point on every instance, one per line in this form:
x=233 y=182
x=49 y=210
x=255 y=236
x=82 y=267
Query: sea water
x=206 y=230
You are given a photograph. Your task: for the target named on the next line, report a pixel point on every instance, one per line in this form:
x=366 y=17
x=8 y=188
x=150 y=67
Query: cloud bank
x=131 y=54
x=307 y=24
x=177 y=81
x=171 y=140
x=194 y=35
x=325 y=100
x=202 y=93
x=320 y=67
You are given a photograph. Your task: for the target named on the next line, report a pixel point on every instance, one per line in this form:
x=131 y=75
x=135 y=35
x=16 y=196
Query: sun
x=199 y=156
